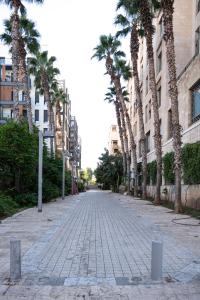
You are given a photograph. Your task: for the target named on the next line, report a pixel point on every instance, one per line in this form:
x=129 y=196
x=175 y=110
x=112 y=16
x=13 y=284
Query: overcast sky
x=70 y=29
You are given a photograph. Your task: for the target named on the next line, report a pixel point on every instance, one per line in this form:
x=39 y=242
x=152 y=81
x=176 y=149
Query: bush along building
x=187 y=50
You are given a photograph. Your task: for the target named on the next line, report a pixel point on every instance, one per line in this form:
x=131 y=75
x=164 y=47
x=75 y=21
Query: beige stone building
x=114 y=145
x=187 y=48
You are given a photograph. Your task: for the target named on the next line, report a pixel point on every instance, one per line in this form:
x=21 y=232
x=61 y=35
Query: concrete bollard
x=156 y=260
x=15 y=259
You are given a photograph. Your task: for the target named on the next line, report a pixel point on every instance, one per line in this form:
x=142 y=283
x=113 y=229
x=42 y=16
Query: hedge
x=168 y=168
x=191 y=163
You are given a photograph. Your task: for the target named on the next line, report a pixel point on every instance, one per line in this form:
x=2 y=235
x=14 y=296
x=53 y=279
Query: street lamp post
x=40 y=165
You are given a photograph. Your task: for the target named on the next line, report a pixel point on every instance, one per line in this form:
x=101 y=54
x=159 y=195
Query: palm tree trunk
x=119 y=123
x=168 y=10
x=134 y=45
x=126 y=148
x=118 y=88
x=24 y=74
x=15 y=33
x=146 y=18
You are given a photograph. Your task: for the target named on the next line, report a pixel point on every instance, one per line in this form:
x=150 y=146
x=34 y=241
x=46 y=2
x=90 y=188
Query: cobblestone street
x=97 y=245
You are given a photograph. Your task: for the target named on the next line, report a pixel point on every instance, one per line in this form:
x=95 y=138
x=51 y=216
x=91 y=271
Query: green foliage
x=81 y=187
x=109 y=171
x=26 y=199
x=50 y=191
x=168 y=168
x=68 y=182
x=86 y=175
x=191 y=163
x=7 y=205
x=18 y=157
x=19 y=168
x=152 y=172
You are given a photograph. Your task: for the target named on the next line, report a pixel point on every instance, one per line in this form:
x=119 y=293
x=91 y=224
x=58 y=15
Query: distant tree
x=109 y=171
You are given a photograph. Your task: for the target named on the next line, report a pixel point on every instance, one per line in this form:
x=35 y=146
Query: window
x=197 y=41
x=146 y=114
x=149 y=110
x=159 y=95
x=140 y=149
x=37 y=97
x=198 y=6
x=196 y=102
x=12 y=96
x=36 y=115
x=147 y=84
x=114 y=143
x=159 y=62
x=169 y=124
x=45 y=129
x=24 y=112
x=161 y=27
x=161 y=128
x=148 y=141
x=45 y=115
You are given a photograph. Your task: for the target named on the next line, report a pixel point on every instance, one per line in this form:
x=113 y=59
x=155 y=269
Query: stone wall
x=190 y=194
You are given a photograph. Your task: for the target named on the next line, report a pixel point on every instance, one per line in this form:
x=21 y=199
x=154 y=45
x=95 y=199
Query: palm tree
x=112 y=98
x=42 y=68
x=144 y=8
x=58 y=96
x=129 y=24
x=168 y=10
x=16 y=5
x=27 y=43
x=117 y=68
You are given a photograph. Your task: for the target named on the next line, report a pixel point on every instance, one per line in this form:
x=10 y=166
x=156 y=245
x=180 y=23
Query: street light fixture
x=41 y=135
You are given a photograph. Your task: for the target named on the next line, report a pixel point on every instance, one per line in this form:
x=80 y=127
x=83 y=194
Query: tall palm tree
x=117 y=68
x=16 y=5
x=58 y=97
x=44 y=72
x=111 y=97
x=28 y=43
x=168 y=10
x=144 y=9
x=129 y=24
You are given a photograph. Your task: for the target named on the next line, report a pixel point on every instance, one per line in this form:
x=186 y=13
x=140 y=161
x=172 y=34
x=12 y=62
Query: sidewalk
x=97 y=245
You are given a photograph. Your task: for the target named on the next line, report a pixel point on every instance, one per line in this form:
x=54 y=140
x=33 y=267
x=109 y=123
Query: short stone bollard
x=156 y=260
x=15 y=259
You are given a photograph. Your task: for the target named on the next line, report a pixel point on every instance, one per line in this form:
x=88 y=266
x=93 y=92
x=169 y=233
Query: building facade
x=187 y=49
x=114 y=145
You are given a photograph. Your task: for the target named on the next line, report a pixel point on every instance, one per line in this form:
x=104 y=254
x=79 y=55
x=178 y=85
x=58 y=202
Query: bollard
x=156 y=260
x=15 y=259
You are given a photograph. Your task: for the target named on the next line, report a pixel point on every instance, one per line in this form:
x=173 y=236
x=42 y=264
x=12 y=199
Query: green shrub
x=50 y=191
x=168 y=168
x=191 y=163
x=81 y=187
x=68 y=183
x=7 y=206
x=152 y=172
x=26 y=199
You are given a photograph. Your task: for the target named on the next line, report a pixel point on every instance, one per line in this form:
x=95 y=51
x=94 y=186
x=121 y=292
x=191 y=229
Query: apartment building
x=40 y=113
x=114 y=145
x=187 y=48
x=6 y=92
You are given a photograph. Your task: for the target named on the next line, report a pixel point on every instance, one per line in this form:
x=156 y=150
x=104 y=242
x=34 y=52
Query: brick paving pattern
x=97 y=246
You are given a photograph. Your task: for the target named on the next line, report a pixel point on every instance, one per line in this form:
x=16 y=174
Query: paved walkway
x=97 y=245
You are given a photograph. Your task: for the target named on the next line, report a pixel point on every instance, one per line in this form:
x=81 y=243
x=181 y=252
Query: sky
x=70 y=29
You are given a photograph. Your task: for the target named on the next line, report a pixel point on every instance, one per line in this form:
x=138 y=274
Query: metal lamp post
x=41 y=135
